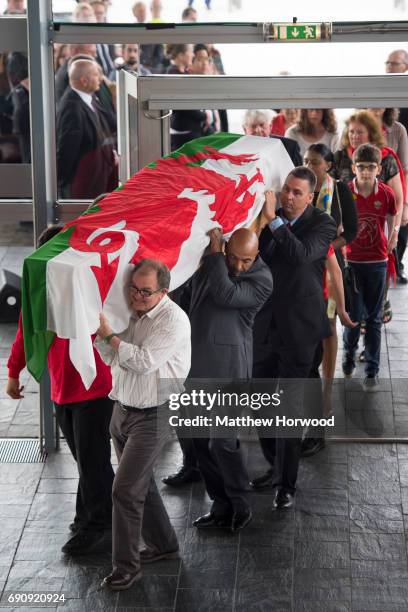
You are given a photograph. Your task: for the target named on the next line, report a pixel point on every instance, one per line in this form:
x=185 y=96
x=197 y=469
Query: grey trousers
x=138 y=508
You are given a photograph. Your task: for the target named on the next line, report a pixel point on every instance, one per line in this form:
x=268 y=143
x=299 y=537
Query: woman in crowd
x=215 y=57
x=396 y=136
x=362 y=128
x=394 y=132
x=315 y=125
x=181 y=57
x=284 y=120
x=337 y=200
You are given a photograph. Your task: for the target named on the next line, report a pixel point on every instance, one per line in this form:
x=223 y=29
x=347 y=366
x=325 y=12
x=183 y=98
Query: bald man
x=222 y=300
x=85 y=152
x=84 y=51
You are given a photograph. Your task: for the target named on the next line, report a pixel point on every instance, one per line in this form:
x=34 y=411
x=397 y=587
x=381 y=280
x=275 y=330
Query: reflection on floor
x=342 y=548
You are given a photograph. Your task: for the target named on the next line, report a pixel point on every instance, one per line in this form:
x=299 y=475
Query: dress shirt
x=278 y=221
x=85 y=97
x=153 y=358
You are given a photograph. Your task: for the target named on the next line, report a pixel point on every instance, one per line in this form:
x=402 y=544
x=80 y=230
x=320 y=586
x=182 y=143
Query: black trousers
x=224 y=472
x=402 y=242
x=189 y=452
x=291 y=364
x=85 y=426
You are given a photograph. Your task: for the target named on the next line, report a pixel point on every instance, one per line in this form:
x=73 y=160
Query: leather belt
x=134 y=409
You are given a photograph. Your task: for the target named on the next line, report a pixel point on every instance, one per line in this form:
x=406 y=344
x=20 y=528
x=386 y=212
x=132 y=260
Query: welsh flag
x=163 y=212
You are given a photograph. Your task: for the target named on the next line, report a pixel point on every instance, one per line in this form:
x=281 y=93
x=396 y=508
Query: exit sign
x=301 y=32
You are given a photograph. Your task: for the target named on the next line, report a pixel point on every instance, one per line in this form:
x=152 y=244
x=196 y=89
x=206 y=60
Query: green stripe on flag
x=198 y=145
x=37 y=340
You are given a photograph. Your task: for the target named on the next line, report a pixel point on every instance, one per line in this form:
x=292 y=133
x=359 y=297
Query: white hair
x=258 y=116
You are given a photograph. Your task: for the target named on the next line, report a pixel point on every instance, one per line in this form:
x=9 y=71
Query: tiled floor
x=343 y=547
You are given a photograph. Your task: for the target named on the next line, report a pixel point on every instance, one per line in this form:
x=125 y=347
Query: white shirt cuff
x=275 y=223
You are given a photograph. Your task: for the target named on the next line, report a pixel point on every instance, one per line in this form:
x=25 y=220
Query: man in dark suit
x=86 y=159
x=258 y=123
x=104 y=93
x=293 y=322
x=224 y=296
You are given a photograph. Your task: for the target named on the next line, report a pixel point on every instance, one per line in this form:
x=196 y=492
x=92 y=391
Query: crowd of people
x=256 y=309
x=261 y=306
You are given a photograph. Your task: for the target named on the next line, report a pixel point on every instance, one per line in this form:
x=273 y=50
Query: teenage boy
x=367 y=256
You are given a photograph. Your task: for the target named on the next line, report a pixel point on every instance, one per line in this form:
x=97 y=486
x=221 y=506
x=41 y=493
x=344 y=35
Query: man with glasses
x=397 y=63
x=151 y=354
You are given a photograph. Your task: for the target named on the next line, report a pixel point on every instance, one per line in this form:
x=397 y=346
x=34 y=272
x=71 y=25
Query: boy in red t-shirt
x=367 y=256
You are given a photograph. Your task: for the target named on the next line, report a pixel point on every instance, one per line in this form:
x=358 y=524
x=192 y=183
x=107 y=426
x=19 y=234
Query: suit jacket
x=295 y=314
x=84 y=150
x=103 y=94
x=222 y=310
x=292 y=147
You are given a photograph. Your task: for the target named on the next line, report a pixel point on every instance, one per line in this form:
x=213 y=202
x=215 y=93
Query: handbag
x=350 y=283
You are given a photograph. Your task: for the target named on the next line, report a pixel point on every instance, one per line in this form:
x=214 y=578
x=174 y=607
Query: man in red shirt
x=368 y=255
x=84 y=417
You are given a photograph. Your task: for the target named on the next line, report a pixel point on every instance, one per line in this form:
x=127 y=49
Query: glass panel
x=314 y=59
x=16 y=214
x=246 y=10
x=15 y=140
x=14 y=109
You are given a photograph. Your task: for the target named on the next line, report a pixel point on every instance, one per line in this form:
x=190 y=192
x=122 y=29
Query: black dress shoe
x=261 y=482
x=83 y=542
x=211 y=521
x=185 y=475
x=241 y=519
x=311 y=446
x=116 y=581
x=283 y=501
x=402 y=279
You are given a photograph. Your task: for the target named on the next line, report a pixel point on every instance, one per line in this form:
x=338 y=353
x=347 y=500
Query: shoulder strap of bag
x=341 y=221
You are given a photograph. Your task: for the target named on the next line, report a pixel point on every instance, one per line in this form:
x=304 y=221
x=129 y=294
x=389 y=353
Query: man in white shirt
x=147 y=359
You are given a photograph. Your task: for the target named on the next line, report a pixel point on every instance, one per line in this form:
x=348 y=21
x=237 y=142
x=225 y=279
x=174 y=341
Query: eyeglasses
x=370 y=167
x=144 y=293
x=388 y=63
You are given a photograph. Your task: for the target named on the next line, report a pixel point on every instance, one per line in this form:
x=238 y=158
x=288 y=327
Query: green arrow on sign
x=298 y=32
